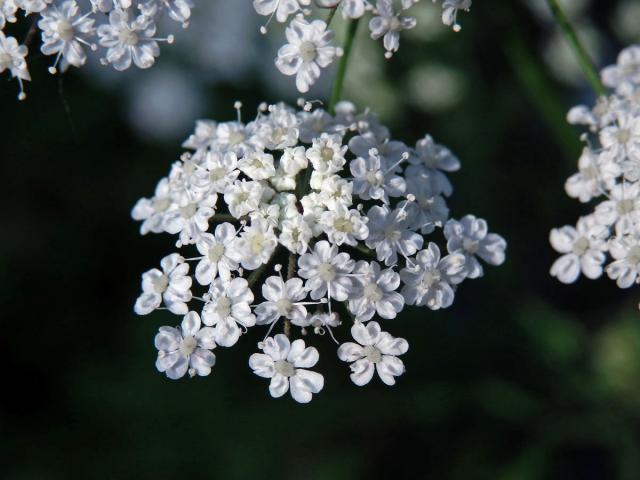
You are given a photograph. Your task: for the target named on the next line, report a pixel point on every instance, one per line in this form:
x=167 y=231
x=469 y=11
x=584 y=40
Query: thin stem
x=332 y=13
x=338 y=84
x=586 y=64
x=291 y=270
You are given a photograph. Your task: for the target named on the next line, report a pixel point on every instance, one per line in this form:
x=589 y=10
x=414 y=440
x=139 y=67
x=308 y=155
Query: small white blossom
x=256 y=244
x=327 y=272
x=12 y=58
x=375 y=292
x=376 y=351
x=388 y=24
x=227 y=308
x=389 y=235
x=220 y=254
x=286 y=364
x=283 y=299
x=185 y=349
x=171 y=285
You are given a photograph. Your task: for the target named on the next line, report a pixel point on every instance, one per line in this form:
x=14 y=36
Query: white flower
x=336 y=192
x=583 y=248
x=470 y=236
x=129 y=40
x=594 y=174
x=392 y=153
x=622 y=138
x=626 y=265
x=12 y=59
x=243 y=197
x=371 y=182
x=626 y=72
x=428 y=209
x=344 y=226
x=295 y=234
x=450 y=11
x=152 y=211
x=390 y=235
x=33 y=6
x=431 y=280
x=257 y=244
x=375 y=351
x=7 y=12
x=281 y=8
x=171 y=284
x=375 y=292
x=388 y=24
x=293 y=160
x=326 y=154
x=622 y=209
x=283 y=299
x=228 y=305
x=64 y=32
x=307 y=52
x=286 y=365
x=185 y=349
x=434 y=156
x=327 y=272
x=220 y=254
x=191 y=220
x=218 y=171
x=319 y=321
x=257 y=165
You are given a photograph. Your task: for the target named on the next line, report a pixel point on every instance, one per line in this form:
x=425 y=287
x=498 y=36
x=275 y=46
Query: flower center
x=392 y=235
x=256 y=243
x=327 y=154
x=372 y=354
x=188 y=345
x=65 y=30
x=216 y=252
x=160 y=284
x=217 y=174
x=623 y=135
x=625 y=206
x=5 y=61
x=284 y=368
x=395 y=24
x=375 y=178
x=326 y=272
x=189 y=210
x=581 y=246
x=160 y=204
x=343 y=225
x=373 y=292
x=235 y=138
x=128 y=37
x=308 y=51
x=283 y=306
x=430 y=278
x=470 y=245
x=223 y=307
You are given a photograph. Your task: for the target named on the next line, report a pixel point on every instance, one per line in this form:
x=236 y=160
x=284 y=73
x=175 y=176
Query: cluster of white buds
x=608 y=170
x=123 y=32
x=308 y=48
x=304 y=218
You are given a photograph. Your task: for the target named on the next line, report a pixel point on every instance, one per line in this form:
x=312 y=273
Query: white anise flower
x=389 y=235
x=470 y=236
x=625 y=268
x=256 y=244
x=280 y=8
x=431 y=281
x=336 y=192
x=622 y=138
x=307 y=52
x=595 y=172
x=191 y=220
x=326 y=271
x=64 y=32
x=12 y=58
x=344 y=226
x=185 y=349
x=218 y=171
x=257 y=165
x=375 y=292
x=622 y=209
x=286 y=364
x=7 y=12
x=428 y=208
x=295 y=234
x=450 y=12
x=376 y=351
x=171 y=285
x=243 y=197
x=227 y=308
x=326 y=154
x=370 y=181
x=129 y=40
x=583 y=249
x=152 y=211
x=391 y=152
x=626 y=73
x=32 y=6
x=388 y=24
x=219 y=254
x=283 y=299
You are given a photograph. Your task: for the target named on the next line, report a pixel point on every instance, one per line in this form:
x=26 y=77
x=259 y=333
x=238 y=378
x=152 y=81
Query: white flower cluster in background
x=609 y=171
x=307 y=220
x=308 y=48
x=121 y=32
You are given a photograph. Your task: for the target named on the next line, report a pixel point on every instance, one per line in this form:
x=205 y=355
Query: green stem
x=338 y=84
x=586 y=64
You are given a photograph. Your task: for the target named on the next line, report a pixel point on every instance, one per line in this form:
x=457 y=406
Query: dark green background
x=523 y=378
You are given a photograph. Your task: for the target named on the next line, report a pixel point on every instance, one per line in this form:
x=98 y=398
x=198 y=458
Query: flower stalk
x=586 y=64
x=338 y=84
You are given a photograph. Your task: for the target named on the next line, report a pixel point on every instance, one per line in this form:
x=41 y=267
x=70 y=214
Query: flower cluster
x=608 y=170
x=123 y=31
x=308 y=48
x=304 y=218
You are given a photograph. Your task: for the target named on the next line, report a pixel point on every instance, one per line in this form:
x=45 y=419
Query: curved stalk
x=586 y=64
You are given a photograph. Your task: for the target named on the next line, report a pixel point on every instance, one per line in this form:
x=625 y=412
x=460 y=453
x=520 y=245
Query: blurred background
x=524 y=378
